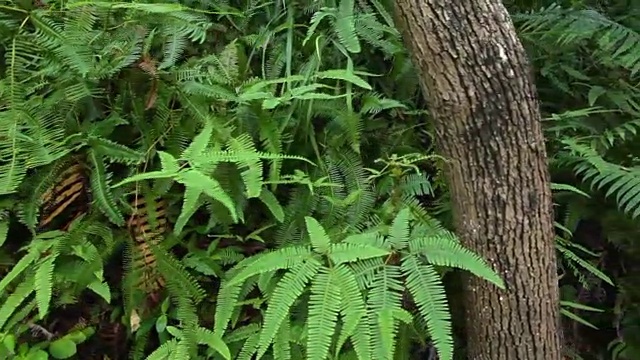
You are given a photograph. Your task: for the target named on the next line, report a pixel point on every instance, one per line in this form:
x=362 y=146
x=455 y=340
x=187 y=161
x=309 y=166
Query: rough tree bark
x=476 y=78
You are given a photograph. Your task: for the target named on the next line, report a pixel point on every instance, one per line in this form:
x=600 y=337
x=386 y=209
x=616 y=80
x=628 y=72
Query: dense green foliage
x=231 y=179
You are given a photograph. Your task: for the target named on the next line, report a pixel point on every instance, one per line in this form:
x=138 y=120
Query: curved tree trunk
x=475 y=76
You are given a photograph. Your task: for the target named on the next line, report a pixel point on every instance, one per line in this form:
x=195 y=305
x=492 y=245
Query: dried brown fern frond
x=66 y=200
x=147 y=226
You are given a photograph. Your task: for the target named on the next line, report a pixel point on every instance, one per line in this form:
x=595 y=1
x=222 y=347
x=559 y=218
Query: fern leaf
x=424 y=283
x=43 y=282
x=4 y=231
x=168 y=162
x=353 y=310
x=387 y=335
x=101 y=190
x=324 y=306
x=249 y=348
x=165 y=351
x=11 y=304
x=173 y=49
x=190 y=205
x=19 y=268
x=291 y=286
x=385 y=297
x=198 y=145
x=225 y=305
x=269 y=199
x=115 y=152
x=284 y=258
x=345 y=26
x=348 y=252
x=399 y=232
x=214 y=342
x=281 y=343
x=446 y=251
x=572 y=257
x=319 y=238
x=248 y=157
x=204 y=184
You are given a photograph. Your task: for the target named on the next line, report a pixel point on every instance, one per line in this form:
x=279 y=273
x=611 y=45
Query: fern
x=308 y=267
x=203 y=160
x=616 y=43
x=621 y=181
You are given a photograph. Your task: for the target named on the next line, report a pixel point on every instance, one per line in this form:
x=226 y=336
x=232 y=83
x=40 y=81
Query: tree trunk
x=476 y=78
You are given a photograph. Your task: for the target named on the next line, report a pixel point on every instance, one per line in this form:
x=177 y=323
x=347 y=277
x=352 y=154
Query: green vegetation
x=225 y=179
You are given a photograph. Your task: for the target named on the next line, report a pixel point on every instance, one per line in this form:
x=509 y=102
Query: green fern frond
x=165 y=351
x=349 y=252
x=384 y=298
x=43 y=283
x=11 y=304
x=176 y=275
x=289 y=288
x=615 y=42
x=353 y=312
x=622 y=182
x=39 y=245
x=225 y=305
x=345 y=26
x=324 y=306
x=427 y=290
x=399 y=231
x=282 y=343
x=320 y=241
x=101 y=189
x=445 y=250
x=284 y=258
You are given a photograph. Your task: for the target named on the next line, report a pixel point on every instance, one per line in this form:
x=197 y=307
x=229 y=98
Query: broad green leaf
x=270 y=104
x=340 y=74
x=37 y=354
x=80 y=336
x=62 y=348
x=161 y=323
x=9 y=341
